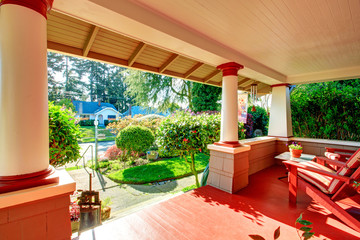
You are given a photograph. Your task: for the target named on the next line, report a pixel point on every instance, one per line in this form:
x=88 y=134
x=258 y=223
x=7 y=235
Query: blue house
x=92 y=110
x=134 y=110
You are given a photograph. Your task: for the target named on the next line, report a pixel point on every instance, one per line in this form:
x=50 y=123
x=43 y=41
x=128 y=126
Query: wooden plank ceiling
x=72 y=36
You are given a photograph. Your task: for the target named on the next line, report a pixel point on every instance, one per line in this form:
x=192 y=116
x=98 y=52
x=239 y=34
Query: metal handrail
x=83 y=157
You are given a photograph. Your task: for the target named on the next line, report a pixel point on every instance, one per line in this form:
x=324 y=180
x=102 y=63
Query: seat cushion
x=320 y=181
x=332 y=156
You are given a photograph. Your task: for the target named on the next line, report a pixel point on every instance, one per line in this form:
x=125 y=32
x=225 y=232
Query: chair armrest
x=333 y=162
x=311 y=169
x=339 y=150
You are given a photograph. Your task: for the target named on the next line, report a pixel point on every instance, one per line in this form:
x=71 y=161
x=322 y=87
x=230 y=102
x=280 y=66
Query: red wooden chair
x=329 y=182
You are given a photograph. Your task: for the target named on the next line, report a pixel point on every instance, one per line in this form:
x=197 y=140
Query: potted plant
x=105 y=208
x=74 y=216
x=295 y=149
x=152 y=154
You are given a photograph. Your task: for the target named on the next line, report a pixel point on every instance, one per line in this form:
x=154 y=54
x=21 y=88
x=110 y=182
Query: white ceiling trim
x=332 y=75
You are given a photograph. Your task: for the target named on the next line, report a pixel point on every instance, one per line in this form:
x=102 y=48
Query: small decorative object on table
x=152 y=155
x=295 y=149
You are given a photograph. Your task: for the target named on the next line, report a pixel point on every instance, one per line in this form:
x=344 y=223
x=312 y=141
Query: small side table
x=286 y=156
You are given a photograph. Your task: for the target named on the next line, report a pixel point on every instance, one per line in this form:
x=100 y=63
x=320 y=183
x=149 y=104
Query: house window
x=111 y=117
x=84 y=116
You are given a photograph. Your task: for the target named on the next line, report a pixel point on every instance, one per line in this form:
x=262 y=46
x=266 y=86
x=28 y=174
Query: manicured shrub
x=63 y=136
x=189 y=134
x=135 y=139
x=86 y=122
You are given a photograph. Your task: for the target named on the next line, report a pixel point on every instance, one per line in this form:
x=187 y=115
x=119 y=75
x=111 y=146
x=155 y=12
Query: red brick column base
x=229 y=168
x=47 y=218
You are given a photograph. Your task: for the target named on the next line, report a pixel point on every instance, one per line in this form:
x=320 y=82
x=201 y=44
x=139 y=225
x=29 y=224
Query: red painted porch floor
x=208 y=213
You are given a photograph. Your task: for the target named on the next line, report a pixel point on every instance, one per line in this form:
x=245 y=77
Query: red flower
x=185 y=140
x=194 y=131
x=200 y=149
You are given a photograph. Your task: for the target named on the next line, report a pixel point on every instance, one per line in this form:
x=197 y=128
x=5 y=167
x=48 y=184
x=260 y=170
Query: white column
x=24 y=131
x=280 y=124
x=229 y=110
x=229 y=106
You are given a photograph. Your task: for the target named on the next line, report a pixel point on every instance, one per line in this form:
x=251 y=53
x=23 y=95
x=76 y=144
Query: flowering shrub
x=189 y=134
x=295 y=145
x=136 y=139
x=137 y=120
x=260 y=120
x=63 y=136
x=249 y=126
x=113 y=153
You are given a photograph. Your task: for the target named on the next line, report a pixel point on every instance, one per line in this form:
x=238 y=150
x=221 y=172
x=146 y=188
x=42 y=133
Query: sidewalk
x=128 y=198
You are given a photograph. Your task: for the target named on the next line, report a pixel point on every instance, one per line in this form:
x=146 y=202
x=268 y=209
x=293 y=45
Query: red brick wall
x=43 y=219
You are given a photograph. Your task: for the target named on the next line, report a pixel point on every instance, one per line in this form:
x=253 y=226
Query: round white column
x=24 y=131
x=229 y=106
x=229 y=110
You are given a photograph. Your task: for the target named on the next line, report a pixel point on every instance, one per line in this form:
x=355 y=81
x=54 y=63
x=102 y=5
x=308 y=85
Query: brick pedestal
x=37 y=213
x=229 y=168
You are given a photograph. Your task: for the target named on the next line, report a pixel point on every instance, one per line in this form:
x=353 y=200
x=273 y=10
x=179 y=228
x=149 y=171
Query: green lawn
x=73 y=168
x=159 y=171
x=88 y=134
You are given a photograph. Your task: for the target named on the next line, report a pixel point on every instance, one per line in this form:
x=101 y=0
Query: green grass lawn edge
x=201 y=160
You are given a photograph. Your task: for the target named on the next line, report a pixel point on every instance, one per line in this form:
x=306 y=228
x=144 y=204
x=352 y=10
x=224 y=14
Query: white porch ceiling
x=277 y=41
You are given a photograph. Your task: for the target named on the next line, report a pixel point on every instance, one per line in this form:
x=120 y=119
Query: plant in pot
x=153 y=153
x=74 y=215
x=295 y=149
x=105 y=208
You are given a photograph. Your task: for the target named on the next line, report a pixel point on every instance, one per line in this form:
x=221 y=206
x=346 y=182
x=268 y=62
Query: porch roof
x=277 y=41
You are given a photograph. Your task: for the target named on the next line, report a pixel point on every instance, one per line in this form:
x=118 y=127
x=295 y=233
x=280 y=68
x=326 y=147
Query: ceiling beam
x=138 y=50
x=243 y=81
x=264 y=87
x=248 y=86
x=168 y=62
x=193 y=69
x=90 y=40
x=211 y=75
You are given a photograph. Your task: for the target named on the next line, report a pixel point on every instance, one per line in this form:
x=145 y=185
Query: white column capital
x=230 y=68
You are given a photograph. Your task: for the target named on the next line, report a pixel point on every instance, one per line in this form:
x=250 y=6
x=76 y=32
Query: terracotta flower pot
x=75 y=226
x=296 y=153
x=105 y=213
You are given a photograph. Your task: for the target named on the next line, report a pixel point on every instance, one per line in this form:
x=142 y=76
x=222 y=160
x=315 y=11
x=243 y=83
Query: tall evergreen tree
x=56 y=64
x=205 y=97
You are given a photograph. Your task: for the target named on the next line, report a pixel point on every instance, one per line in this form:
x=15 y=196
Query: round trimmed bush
x=135 y=139
x=63 y=136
